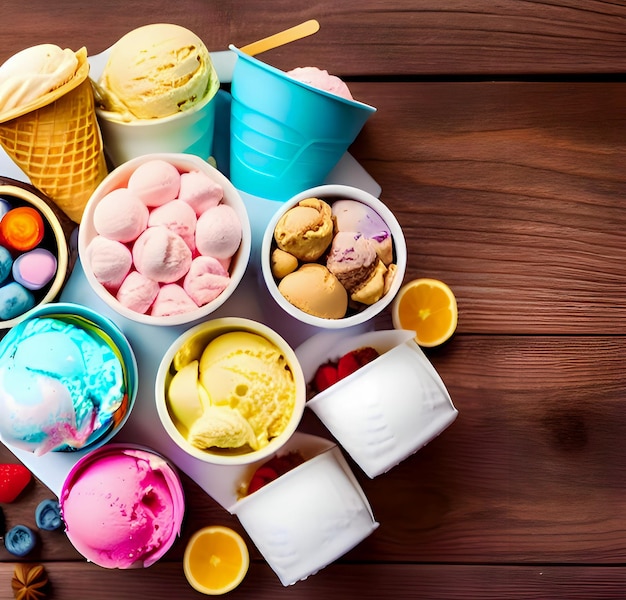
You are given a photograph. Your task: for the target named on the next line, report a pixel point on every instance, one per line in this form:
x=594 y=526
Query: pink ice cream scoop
x=155 y=182
x=109 y=260
x=218 y=232
x=122 y=507
x=206 y=280
x=161 y=255
x=177 y=216
x=120 y=216
x=137 y=292
x=322 y=80
x=351 y=215
x=199 y=191
x=172 y=299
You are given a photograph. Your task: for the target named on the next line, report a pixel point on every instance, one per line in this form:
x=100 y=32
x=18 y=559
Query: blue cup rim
x=283 y=75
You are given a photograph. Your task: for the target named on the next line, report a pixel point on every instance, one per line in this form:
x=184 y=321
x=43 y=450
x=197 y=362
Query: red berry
x=262 y=476
x=325 y=376
x=13 y=479
x=352 y=361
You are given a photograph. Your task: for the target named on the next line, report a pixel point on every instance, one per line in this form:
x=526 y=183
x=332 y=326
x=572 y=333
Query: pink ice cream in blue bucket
x=286 y=135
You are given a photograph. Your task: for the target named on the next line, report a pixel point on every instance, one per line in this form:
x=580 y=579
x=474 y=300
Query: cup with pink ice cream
x=165 y=239
x=333 y=256
x=122 y=506
x=290 y=137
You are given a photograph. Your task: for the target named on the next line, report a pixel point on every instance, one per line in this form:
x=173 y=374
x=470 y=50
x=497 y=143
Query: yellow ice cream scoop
x=155 y=71
x=246 y=372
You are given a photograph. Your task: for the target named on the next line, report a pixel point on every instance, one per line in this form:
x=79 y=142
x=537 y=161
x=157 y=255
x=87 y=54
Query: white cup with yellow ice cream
x=155 y=92
x=230 y=391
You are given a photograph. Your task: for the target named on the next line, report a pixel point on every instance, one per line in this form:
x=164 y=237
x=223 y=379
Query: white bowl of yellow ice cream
x=230 y=391
x=333 y=256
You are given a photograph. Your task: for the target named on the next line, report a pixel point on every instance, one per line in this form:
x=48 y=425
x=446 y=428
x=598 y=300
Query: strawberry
x=273 y=469
x=352 y=361
x=325 y=376
x=13 y=479
x=262 y=476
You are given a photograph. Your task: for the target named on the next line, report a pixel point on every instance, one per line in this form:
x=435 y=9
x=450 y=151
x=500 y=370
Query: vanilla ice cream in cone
x=48 y=124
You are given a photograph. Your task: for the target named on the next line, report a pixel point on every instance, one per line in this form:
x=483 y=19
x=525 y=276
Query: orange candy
x=21 y=229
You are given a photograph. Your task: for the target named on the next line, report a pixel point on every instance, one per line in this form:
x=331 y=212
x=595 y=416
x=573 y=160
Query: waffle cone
x=56 y=141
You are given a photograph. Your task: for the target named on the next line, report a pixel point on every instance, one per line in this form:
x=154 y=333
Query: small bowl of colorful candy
x=165 y=239
x=34 y=255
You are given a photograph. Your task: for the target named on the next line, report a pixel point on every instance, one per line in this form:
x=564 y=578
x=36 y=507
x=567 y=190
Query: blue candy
x=20 y=540
x=15 y=300
x=48 y=515
x=6 y=264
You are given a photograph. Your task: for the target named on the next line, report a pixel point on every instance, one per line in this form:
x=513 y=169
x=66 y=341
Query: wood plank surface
x=364 y=38
x=350 y=582
x=499 y=142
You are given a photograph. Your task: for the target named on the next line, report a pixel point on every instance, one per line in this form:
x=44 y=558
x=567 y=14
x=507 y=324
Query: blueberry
x=19 y=540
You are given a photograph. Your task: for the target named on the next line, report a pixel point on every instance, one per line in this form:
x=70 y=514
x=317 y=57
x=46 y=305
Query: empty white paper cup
x=386 y=410
x=307 y=518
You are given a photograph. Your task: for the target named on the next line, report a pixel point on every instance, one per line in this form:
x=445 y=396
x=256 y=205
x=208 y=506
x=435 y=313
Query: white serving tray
x=250 y=300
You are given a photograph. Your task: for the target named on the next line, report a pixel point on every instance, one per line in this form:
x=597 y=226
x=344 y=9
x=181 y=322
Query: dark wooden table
x=500 y=145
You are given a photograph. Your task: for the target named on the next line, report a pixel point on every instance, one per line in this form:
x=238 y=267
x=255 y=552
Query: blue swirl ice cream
x=62 y=384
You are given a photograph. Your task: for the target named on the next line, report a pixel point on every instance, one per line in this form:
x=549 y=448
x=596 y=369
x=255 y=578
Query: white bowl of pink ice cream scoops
x=164 y=239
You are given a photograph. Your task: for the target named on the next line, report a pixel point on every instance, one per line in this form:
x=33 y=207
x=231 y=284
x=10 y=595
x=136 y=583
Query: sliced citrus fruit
x=216 y=560
x=428 y=307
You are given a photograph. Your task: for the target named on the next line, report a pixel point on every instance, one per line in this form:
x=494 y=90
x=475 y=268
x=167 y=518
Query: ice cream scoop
x=155 y=182
x=33 y=72
x=121 y=215
x=155 y=71
x=172 y=299
x=122 y=507
x=178 y=216
x=161 y=255
x=305 y=230
x=200 y=191
x=218 y=232
x=351 y=215
x=322 y=80
x=316 y=291
x=352 y=259
x=109 y=260
x=247 y=392
x=137 y=292
x=62 y=384
x=206 y=279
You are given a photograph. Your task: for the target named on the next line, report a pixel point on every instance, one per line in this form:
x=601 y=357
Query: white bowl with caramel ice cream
x=333 y=256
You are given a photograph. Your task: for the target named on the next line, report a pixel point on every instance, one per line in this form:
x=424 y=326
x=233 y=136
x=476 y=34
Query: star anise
x=30 y=582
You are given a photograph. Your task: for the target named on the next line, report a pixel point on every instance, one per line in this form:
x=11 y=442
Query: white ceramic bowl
x=19 y=194
x=195 y=340
x=330 y=193
x=119 y=178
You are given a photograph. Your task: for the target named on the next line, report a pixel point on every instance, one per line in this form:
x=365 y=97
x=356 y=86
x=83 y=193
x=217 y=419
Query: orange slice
x=428 y=307
x=216 y=560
